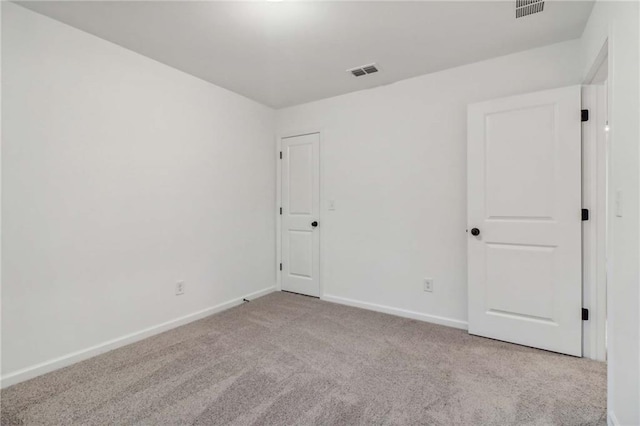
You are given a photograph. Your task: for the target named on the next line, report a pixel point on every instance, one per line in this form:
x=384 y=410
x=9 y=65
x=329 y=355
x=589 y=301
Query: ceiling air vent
x=363 y=70
x=528 y=7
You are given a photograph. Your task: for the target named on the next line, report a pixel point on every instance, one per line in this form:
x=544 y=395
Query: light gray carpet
x=289 y=359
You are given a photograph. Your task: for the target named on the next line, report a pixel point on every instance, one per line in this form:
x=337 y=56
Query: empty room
x=320 y=212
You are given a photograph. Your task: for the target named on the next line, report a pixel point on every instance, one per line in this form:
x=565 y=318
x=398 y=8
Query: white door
x=300 y=214
x=524 y=200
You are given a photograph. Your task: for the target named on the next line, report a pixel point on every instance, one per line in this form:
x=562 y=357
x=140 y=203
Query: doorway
x=595 y=171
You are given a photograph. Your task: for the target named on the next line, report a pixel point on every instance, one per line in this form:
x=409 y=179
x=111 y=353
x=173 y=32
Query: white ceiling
x=287 y=53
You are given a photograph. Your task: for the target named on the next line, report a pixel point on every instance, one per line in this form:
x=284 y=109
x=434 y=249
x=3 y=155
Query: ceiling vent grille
x=528 y=7
x=363 y=70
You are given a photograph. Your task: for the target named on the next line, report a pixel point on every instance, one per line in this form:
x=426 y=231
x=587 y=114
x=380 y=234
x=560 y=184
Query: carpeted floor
x=286 y=359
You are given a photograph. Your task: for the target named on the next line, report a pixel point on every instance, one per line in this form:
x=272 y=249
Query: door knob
x=314 y=223
x=475 y=232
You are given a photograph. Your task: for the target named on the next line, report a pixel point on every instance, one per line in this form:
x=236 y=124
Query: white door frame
x=279 y=138
x=596 y=229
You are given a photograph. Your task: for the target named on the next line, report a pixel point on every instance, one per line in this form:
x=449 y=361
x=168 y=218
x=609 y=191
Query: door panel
x=301 y=253
x=532 y=268
x=520 y=170
x=524 y=196
x=300 y=208
x=300 y=162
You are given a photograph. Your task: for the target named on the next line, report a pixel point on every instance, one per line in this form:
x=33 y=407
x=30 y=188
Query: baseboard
x=612 y=419
x=72 y=358
x=449 y=322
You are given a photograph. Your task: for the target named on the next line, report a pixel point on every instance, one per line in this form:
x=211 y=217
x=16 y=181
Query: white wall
x=394 y=160
x=618 y=23
x=121 y=176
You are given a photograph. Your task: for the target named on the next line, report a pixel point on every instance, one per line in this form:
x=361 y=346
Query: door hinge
x=585 y=314
x=281 y=266
x=280 y=210
x=585 y=115
x=281 y=155
x=585 y=214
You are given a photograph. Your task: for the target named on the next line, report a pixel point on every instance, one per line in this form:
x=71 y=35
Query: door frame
x=279 y=137
x=596 y=231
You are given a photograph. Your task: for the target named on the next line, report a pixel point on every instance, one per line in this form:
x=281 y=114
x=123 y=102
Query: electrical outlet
x=179 y=288
x=428 y=284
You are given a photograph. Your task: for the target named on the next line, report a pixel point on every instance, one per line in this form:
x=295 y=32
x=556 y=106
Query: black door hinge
x=281 y=266
x=281 y=155
x=585 y=314
x=585 y=115
x=280 y=210
x=585 y=214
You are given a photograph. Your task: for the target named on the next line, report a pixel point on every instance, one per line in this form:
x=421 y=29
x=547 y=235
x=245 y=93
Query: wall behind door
x=617 y=23
x=121 y=176
x=394 y=160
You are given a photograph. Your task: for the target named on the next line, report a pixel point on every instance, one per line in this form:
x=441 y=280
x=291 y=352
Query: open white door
x=524 y=204
x=300 y=214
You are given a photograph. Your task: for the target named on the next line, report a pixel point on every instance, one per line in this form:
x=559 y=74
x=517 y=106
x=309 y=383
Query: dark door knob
x=314 y=223
x=475 y=232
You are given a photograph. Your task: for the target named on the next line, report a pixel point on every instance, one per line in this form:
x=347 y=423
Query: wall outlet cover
x=179 y=288
x=428 y=284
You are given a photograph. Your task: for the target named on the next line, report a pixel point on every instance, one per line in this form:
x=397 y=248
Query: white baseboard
x=449 y=322
x=72 y=358
x=611 y=419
